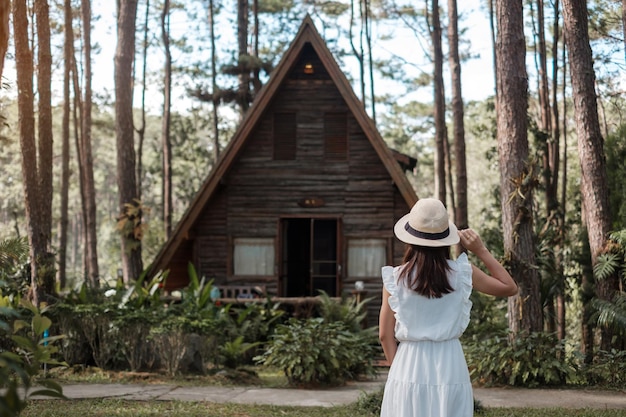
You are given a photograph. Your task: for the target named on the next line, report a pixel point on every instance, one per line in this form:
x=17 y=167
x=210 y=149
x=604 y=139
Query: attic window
x=284 y=129
x=335 y=136
x=308 y=68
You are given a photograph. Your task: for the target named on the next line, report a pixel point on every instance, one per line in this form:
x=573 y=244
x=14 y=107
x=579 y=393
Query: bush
x=369 y=404
x=311 y=352
x=26 y=330
x=532 y=360
x=607 y=369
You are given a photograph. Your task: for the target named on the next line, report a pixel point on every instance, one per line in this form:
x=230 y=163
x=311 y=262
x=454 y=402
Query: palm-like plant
x=612 y=314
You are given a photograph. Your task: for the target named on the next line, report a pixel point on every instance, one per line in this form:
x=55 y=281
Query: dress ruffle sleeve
x=464 y=269
x=390 y=283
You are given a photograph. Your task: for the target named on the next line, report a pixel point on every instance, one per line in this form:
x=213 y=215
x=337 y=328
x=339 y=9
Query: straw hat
x=427 y=224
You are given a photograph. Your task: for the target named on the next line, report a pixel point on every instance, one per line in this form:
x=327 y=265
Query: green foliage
x=31 y=348
x=536 y=359
x=232 y=352
x=348 y=310
x=369 y=404
x=14 y=268
x=608 y=369
x=312 y=352
x=615 y=147
x=612 y=313
x=488 y=316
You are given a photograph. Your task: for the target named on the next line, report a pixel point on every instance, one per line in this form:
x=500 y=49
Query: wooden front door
x=309 y=257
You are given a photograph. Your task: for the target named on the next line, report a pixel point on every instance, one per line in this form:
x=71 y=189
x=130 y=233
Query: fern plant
x=612 y=313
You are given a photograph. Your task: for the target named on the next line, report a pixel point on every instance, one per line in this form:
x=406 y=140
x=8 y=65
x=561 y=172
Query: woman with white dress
x=426 y=308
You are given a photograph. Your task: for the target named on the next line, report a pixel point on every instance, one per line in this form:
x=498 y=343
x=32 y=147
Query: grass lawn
x=121 y=408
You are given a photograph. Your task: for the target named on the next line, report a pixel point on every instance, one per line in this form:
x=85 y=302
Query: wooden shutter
x=284 y=136
x=335 y=136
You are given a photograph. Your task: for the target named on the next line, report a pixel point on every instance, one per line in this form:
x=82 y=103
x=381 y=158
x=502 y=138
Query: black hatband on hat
x=425 y=235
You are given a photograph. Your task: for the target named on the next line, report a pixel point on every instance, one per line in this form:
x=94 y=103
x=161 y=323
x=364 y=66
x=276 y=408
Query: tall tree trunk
x=358 y=53
x=516 y=183
x=242 y=42
x=32 y=164
x=141 y=131
x=492 y=31
x=44 y=133
x=87 y=157
x=5 y=11
x=624 y=24
x=130 y=206
x=214 y=95
x=65 y=138
x=590 y=144
x=560 y=209
x=550 y=169
x=368 y=41
x=440 y=105
x=77 y=110
x=256 y=79
x=561 y=297
x=165 y=128
x=460 y=215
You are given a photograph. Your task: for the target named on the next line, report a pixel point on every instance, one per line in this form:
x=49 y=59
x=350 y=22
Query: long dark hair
x=426 y=270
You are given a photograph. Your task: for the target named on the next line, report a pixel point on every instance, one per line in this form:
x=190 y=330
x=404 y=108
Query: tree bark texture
x=68 y=38
x=86 y=157
x=141 y=131
x=35 y=162
x=516 y=179
x=594 y=186
x=440 y=105
x=45 y=139
x=215 y=101
x=460 y=215
x=124 y=59
x=165 y=128
x=242 y=42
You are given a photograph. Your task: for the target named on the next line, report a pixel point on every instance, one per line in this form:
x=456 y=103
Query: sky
x=477 y=75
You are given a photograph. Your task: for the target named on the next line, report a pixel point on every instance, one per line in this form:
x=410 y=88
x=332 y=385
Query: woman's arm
x=498 y=282
x=386 y=328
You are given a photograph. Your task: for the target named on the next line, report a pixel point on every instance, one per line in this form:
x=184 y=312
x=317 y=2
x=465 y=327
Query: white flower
x=110 y=293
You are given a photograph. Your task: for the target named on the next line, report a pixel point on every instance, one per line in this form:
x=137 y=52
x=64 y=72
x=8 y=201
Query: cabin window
x=253 y=256
x=284 y=136
x=366 y=257
x=336 y=136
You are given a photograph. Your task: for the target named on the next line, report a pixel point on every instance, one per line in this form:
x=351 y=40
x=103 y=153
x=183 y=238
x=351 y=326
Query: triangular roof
x=306 y=34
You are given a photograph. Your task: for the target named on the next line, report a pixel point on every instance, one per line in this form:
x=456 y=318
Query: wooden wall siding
x=211 y=239
x=178 y=275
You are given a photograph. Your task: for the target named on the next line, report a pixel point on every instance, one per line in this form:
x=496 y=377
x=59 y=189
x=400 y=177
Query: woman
x=426 y=308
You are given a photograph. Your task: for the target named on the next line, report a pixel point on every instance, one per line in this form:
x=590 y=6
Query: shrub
x=528 y=360
x=312 y=352
x=607 y=369
x=369 y=404
x=31 y=349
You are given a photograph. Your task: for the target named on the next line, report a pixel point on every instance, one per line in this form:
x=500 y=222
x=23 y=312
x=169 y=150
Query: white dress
x=429 y=376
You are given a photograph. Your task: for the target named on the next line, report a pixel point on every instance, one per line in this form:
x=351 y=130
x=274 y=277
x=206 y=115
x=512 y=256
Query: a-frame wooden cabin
x=305 y=196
